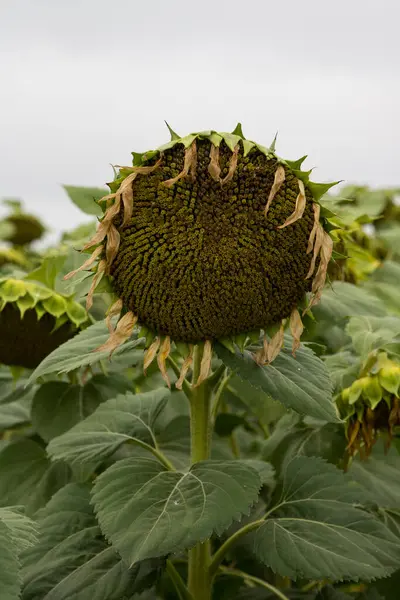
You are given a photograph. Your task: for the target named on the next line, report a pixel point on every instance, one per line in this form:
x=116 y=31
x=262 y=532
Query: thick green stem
x=200 y=423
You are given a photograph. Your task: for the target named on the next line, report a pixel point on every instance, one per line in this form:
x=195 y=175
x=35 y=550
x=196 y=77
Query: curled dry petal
x=105 y=224
x=88 y=263
x=114 y=310
x=205 y=364
x=278 y=180
x=296 y=329
x=188 y=165
x=122 y=333
x=126 y=189
x=187 y=363
x=150 y=353
x=232 y=165
x=96 y=280
x=299 y=208
x=261 y=356
x=317 y=210
x=214 y=167
x=162 y=357
x=112 y=246
x=317 y=247
x=276 y=344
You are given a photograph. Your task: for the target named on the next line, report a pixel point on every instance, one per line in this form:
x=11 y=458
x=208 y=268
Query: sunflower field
x=200 y=388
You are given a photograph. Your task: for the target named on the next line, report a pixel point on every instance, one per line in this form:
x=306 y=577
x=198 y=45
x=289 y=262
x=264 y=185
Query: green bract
x=34 y=320
x=210 y=237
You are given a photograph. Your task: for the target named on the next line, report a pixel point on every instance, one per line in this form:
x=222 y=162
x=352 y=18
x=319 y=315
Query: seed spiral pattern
x=201 y=260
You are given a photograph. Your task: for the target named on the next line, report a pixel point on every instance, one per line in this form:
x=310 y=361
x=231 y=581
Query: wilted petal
x=205 y=364
x=299 y=208
x=189 y=165
x=96 y=280
x=162 y=357
x=122 y=333
x=187 y=363
x=87 y=263
x=296 y=329
x=261 y=356
x=317 y=210
x=319 y=237
x=278 y=180
x=114 y=310
x=275 y=344
x=112 y=247
x=150 y=353
x=232 y=165
x=214 y=167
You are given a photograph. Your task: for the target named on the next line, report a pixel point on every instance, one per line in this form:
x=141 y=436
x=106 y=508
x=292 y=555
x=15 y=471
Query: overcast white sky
x=83 y=83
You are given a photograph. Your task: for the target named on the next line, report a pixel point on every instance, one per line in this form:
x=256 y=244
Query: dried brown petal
x=205 y=364
x=317 y=247
x=112 y=247
x=232 y=165
x=296 y=329
x=88 y=263
x=278 y=180
x=275 y=344
x=127 y=199
x=122 y=333
x=105 y=224
x=189 y=165
x=187 y=363
x=261 y=356
x=150 y=353
x=299 y=208
x=353 y=433
x=214 y=167
x=96 y=280
x=317 y=210
x=114 y=310
x=162 y=357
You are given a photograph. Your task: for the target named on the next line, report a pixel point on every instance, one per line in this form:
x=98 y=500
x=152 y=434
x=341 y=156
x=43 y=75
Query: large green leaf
x=117 y=421
x=13 y=414
x=28 y=477
x=85 y=198
x=370 y=333
x=344 y=300
x=72 y=559
x=58 y=406
x=379 y=475
x=300 y=383
x=17 y=533
x=146 y=511
x=317 y=533
x=80 y=351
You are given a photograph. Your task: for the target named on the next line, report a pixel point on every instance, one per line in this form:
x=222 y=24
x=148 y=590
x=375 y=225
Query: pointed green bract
x=174 y=135
x=238 y=131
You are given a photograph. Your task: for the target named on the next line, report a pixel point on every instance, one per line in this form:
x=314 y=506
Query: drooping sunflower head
x=371 y=405
x=210 y=237
x=26 y=228
x=34 y=320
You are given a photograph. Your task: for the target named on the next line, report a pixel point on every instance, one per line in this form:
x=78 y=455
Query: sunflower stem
x=199 y=582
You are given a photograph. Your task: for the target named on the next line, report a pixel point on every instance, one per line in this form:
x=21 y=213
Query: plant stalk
x=199 y=582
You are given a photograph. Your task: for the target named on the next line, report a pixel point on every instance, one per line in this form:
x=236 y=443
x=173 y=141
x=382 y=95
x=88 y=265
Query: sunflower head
x=210 y=237
x=26 y=228
x=371 y=405
x=34 y=320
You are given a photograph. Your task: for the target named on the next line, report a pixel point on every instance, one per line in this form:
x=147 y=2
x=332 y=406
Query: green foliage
x=319 y=533
x=300 y=383
x=17 y=533
x=250 y=478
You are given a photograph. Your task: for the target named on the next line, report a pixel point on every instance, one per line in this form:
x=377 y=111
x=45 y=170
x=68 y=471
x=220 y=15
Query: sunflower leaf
x=146 y=511
x=72 y=560
x=300 y=383
x=318 y=532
